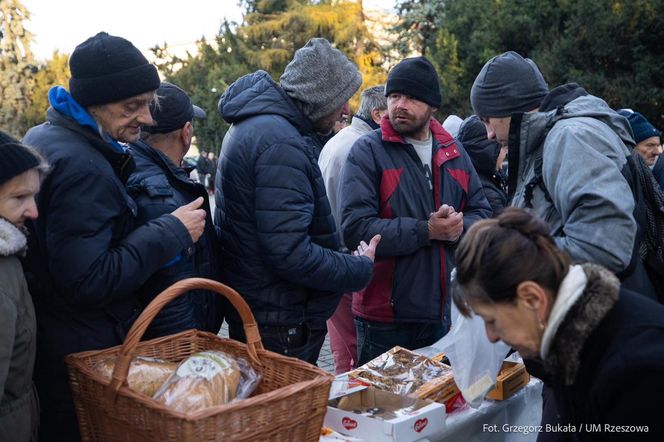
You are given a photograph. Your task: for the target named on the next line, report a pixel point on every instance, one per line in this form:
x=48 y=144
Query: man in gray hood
x=581 y=146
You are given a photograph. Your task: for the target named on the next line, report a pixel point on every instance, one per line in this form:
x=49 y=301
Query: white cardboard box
x=423 y=417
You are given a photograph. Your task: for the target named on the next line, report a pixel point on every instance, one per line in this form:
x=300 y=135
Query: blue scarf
x=64 y=103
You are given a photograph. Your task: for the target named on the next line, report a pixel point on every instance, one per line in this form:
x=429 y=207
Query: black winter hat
x=416 y=77
x=507 y=84
x=106 y=69
x=15 y=158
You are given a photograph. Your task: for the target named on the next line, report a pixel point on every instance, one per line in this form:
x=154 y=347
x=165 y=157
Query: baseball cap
x=172 y=110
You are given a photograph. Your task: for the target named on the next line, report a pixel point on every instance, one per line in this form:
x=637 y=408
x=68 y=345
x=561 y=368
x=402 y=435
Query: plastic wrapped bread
x=203 y=380
x=145 y=376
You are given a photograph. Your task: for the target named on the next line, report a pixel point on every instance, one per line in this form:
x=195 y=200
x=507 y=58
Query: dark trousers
x=302 y=341
x=375 y=338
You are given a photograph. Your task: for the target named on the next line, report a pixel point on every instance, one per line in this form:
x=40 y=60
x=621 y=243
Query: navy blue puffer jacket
x=86 y=257
x=159 y=187
x=278 y=236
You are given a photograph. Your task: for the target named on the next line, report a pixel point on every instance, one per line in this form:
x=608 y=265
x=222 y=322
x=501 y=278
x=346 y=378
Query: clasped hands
x=445 y=224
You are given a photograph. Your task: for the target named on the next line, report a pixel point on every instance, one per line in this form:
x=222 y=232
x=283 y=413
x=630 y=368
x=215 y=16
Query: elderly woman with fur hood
x=21 y=170
x=602 y=345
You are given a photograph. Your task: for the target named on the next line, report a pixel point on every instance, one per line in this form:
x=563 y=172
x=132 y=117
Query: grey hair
x=372 y=98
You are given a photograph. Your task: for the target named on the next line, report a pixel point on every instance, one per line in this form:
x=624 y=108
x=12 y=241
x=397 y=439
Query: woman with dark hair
x=602 y=345
x=21 y=171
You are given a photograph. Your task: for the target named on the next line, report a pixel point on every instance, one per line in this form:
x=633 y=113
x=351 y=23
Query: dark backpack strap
x=538 y=180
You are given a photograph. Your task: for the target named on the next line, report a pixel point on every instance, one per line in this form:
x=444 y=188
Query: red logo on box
x=420 y=424
x=349 y=423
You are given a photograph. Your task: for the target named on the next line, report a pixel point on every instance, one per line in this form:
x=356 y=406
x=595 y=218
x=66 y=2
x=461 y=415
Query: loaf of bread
x=145 y=376
x=203 y=380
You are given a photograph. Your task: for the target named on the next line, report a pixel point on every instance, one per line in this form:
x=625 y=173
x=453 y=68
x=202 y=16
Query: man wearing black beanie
x=412 y=183
x=554 y=147
x=87 y=255
x=566 y=150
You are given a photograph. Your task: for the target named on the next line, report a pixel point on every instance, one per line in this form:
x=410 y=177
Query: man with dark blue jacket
x=86 y=255
x=413 y=184
x=279 y=241
x=159 y=185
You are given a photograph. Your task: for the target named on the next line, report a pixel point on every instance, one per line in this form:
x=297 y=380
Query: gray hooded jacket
x=591 y=204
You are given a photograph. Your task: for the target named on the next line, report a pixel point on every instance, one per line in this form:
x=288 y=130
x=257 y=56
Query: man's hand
x=368 y=250
x=445 y=224
x=193 y=217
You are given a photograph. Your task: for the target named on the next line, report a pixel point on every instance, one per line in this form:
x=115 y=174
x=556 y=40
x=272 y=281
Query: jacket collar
x=121 y=162
x=388 y=133
x=160 y=159
x=580 y=319
x=12 y=239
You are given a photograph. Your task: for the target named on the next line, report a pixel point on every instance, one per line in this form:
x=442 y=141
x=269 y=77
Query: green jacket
x=19 y=411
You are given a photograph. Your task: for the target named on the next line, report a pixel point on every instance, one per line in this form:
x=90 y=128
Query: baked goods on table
x=404 y=372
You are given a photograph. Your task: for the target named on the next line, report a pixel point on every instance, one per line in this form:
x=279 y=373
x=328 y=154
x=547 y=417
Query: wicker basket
x=289 y=404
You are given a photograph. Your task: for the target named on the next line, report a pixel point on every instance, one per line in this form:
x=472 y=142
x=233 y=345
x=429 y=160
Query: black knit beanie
x=415 y=77
x=15 y=158
x=507 y=84
x=106 y=69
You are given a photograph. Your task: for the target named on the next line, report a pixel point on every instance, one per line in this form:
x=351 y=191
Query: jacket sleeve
x=592 y=197
x=89 y=265
x=359 y=196
x=155 y=198
x=284 y=213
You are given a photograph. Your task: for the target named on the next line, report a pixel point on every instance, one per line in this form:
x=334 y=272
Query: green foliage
x=419 y=24
x=272 y=32
x=205 y=76
x=610 y=47
x=52 y=73
x=16 y=67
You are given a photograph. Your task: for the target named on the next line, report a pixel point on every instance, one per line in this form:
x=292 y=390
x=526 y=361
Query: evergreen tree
x=16 y=67
x=53 y=72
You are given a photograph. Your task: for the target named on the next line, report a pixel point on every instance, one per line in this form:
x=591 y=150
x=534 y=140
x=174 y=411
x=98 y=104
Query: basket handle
x=123 y=360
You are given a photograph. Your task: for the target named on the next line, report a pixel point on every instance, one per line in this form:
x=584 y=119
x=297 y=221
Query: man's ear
x=376 y=115
x=534 y=297
x=187 y=133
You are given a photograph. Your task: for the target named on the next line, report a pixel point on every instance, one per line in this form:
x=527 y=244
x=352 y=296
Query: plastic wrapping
x=208 y=379
x=145 y=376
x=475 y=361
x=404 y=372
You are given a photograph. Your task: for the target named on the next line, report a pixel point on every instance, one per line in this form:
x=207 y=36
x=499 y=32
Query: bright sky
x=63 y=24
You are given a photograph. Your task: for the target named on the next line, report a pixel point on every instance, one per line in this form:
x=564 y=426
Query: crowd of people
x=353 y=232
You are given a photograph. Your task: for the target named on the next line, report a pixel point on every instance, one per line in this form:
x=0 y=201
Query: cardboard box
x=511 y=378
x=381 y=416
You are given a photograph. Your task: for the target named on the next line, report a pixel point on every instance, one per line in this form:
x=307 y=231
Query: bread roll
x=145 y=376
x=203 y=380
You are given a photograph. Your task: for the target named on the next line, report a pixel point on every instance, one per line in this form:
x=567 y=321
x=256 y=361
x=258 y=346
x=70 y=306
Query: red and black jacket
x=384 y=189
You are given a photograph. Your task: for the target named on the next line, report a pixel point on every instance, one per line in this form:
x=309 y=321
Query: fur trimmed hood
x=582 y=318
x=12 y=240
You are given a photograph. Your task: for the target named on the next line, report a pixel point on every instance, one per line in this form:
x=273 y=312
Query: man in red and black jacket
x=413 y=183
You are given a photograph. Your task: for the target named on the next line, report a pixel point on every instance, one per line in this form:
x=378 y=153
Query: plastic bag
x=208 y=379
x=475 y=361
x=404 y=372
x=145 y=376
